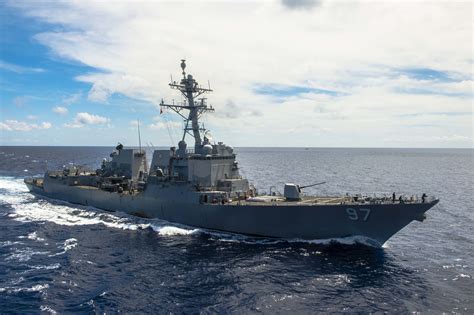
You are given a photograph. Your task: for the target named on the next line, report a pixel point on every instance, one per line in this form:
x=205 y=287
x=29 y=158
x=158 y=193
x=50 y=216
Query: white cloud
x=83 y=119
x=453 y=138
x=450 y=139
x=15 y=125
x=67 y=101
x=45 y=125
x=90 y=119
x=104 y=85
x=159 y=125
x=18 y=69
x=72 y=99
x=60 y=110
x=231 y=111
x=31 y=117
x=350 y=47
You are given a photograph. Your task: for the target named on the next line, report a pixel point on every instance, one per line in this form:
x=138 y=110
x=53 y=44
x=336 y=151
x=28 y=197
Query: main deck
x=326 y=200
x=218 y=198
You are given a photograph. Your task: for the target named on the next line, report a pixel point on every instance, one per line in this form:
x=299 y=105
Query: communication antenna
x=190 y=90
x=139 y=137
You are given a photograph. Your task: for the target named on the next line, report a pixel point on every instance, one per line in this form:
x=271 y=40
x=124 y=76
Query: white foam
x=23 y=255
x=12 y=185
x=27 y=209
x=8 y=243
x=33 y=236
x=238 y=238
x=44 y=267
x=173 y=230
x=342 y=279
x=35 y=288
x=46 y=308
x=17 y=281
x=350 y=240
x=67 y=245
x=79 y=261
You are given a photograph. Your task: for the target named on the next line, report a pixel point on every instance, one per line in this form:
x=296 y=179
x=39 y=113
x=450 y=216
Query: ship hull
x=377 y=222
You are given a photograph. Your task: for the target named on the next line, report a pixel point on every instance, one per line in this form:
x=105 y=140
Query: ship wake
x=26 y=207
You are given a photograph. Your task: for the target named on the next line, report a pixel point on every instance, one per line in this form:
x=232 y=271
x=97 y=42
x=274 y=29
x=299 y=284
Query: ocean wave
x=67 y=245
x=9 y=243
x=24 y=254
x=43 y=267
x=350 y=240
x=47 y=309
x=35 y=288
x=173 y=230
x=32 y=236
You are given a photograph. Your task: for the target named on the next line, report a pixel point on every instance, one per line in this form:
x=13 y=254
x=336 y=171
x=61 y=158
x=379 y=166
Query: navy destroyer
x=202 y=187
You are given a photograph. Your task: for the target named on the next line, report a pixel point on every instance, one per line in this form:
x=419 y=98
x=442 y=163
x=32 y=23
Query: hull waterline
x=377 y=222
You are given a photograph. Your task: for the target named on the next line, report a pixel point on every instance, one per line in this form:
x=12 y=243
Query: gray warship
x=202 y=187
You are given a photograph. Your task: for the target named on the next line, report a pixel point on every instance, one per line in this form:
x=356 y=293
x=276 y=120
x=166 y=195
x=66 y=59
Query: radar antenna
x=191 y=90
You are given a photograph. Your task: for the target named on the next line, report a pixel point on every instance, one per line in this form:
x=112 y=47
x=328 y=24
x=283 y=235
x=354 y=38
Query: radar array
x=191 y=90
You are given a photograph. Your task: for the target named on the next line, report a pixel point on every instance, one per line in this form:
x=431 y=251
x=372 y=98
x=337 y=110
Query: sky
x=308 y=73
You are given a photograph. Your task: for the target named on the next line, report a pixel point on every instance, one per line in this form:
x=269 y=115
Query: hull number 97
x=361 y=214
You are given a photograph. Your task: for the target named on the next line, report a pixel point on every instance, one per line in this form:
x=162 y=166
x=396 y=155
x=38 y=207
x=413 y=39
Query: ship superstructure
x=207 y=166
x=202 y=187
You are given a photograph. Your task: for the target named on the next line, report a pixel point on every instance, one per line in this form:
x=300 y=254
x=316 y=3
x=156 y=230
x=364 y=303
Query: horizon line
x=250 y=147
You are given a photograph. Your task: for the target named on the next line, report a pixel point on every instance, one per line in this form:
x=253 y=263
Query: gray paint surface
x=293 y=221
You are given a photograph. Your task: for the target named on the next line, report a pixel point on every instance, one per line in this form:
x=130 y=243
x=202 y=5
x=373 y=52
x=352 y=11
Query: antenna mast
x=139 y=137
x=190 y=90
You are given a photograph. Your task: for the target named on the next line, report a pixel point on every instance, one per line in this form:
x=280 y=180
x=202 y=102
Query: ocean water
x=57 y=257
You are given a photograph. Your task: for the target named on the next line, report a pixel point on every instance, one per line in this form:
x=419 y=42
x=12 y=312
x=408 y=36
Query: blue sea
x=57 y=257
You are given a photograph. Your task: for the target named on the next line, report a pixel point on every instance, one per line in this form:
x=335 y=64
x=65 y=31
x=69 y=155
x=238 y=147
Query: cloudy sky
x=284 y=73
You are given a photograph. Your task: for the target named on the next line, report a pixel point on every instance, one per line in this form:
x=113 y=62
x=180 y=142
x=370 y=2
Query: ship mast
x=191 y=91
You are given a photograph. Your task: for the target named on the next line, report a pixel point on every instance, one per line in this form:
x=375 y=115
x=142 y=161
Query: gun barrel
x=312 y=185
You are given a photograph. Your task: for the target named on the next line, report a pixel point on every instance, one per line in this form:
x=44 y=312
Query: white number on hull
x=354 y=214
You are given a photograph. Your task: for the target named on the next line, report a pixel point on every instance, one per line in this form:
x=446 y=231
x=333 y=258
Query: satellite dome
x=207 y=149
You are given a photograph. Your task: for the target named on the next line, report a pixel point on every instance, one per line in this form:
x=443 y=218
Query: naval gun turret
x=292 y=192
